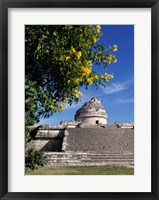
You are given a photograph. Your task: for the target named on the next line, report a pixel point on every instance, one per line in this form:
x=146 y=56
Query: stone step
x=91 y=154
x=88 y=158
x=96 y=160
x=128 y=163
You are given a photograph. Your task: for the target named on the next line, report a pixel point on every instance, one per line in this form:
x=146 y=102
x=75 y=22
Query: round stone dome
x=92 y=112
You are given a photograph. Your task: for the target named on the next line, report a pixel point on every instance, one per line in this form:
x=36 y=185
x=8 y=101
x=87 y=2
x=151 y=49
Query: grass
x=83 y=170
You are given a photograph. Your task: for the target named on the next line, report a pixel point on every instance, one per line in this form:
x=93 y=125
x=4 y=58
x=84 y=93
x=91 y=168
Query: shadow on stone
x=54 y=145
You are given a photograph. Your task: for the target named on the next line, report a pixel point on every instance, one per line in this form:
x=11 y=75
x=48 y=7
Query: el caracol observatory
x=92 y=113
x=85 y=141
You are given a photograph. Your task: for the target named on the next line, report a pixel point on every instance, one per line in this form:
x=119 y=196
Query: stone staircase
x=89 y=158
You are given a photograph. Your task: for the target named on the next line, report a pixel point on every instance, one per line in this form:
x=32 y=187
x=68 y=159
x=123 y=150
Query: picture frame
x=4 y=5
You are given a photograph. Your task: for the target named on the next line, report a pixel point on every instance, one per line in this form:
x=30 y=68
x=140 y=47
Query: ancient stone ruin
x=88 y=140
x=92 y=112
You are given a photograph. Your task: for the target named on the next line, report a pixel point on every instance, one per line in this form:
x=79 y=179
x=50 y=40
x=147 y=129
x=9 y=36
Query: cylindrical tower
x=92 y=113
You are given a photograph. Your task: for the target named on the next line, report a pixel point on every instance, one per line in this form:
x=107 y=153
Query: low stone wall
x=93 y=120
x=100 y=139
x=47 y=140
x=54 y=145
x=57 y=133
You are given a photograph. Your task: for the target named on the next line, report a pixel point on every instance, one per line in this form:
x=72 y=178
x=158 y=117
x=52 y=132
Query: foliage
x=58 y=61
x=30 y=132
x=34 y=159
x=27 y=135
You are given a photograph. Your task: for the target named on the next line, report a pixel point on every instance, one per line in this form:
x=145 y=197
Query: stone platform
x=86 y=146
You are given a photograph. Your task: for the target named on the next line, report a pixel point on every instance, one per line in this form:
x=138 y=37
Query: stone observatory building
x=74 y=143
x=92 y=113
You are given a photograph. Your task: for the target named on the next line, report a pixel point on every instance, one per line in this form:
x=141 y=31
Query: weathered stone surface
x=51 y=127
x=49 y=133
x=92 y=112
x=46 y=145
x=100 y=139
x=124 y=125
x=64 y=144
x=89 y=158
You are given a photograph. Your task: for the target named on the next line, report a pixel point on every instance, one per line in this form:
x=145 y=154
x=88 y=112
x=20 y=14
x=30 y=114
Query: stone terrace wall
x=47 y=140
x=99 y=139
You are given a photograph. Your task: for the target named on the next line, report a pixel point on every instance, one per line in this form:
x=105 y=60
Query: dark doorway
x=97 y=121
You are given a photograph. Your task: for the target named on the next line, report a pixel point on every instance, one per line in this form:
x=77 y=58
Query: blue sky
x=118 y=97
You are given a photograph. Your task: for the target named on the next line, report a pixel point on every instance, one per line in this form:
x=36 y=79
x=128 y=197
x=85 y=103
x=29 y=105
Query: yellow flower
x=77 y=94
x=77 y=80
x=73 y=50
x=68 y=81
x=61 y=58
x=52 y=107
x=115 y=60
x=98 y=28
x=111 y=58
x=61 y=107
x=86 y=71
x=54 y=100
x=96 y=77
x=67 y=58
x=115 y=47
x=89 y=62
x=107 y=76
x=94 y=40
x=79 y=54
x=90 y=80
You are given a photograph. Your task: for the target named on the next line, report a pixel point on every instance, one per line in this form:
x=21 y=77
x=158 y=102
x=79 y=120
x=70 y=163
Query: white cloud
x=85 y=98
x=117 y=87
x=124 y=100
